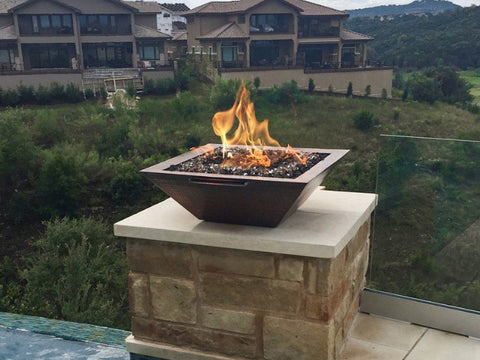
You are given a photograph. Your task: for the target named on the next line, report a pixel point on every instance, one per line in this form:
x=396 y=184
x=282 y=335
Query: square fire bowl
x=237 y=199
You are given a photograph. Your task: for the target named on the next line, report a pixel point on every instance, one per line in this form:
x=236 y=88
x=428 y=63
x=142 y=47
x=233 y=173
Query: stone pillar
x=201 y=290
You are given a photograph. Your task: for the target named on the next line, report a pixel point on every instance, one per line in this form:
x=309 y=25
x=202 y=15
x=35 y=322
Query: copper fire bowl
x=236 y=199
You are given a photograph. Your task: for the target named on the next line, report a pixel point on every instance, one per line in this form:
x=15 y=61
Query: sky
x=338 y=4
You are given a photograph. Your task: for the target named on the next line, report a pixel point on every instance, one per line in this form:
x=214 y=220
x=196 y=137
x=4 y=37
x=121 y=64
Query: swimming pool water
x=25 y=345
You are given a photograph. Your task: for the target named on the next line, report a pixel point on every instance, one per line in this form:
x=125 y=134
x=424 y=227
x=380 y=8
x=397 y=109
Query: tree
x=311 y=85
x=423 y=88
x=350 y=89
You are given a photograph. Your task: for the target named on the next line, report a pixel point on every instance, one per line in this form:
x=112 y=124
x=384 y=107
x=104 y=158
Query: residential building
x=68 y=36
x=282 y=40
x=256 y=33
x=170 y=21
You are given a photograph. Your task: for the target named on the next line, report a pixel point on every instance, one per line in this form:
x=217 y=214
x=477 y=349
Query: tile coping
x=65 y=329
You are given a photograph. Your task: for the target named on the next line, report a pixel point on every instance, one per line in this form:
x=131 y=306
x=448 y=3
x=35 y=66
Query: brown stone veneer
x=244 y=304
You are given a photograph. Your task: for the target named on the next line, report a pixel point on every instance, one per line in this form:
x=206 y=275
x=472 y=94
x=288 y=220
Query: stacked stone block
x=239 y=304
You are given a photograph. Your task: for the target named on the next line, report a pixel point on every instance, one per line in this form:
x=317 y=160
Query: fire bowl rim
x=334 y=155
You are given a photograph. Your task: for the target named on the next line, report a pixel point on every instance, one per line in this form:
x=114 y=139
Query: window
x=45 y=21
x=42 y=56
x=229 y=54
x=67 y=20
x=271 y=23
x=105 y=24
x=114 y=55
x=54 y=24
x=149 y=50
x=166 y=15
x=241 y=19
x=56 y=21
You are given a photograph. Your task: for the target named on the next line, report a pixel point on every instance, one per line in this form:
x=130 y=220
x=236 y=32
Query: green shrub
x=350 y=89
x=223 y=93
x=42 y=95
x=77 y=273
x=256 y=82
x=165 y=86
x=19 y=157
x=149 y=87
x=102 y=93
x=285 y=94
x=186 y=106
x=192 y=141
x=311 y=85
x=131 y=91
x=56 y=93
x=126 y=184
x=26 y=94
x=114 y=140
x=73 y=94
x=364 y=120
x=182 y=81
x=330 y=89
x=452 y=88
x=46 y=131
x=60 y=183
x=396 y=114
x=405 y=94
x=384 y=94
x=10 y=98
x=89 y=94
x=398 y=81
x=368 y=90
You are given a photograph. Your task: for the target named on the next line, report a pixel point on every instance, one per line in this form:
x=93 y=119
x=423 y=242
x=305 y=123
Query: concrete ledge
x=320 y=228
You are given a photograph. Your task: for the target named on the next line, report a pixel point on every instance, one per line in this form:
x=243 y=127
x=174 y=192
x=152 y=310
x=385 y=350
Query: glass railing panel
x=426 y=234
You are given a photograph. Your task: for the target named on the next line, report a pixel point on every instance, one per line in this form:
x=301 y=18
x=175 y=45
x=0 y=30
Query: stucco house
x=283 y=40
x=249 y=33
x=71 y=37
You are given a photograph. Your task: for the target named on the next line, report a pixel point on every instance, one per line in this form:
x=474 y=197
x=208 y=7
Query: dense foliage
x=68 y=172
x=450 y=38
x=435 y=84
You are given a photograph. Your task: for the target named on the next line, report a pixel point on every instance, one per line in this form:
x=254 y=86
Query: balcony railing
x=426 y=241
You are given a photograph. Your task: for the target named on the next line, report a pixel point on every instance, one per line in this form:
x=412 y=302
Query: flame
x=249 y=132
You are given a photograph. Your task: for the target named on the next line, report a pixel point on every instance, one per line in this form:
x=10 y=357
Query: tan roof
x=220 y=7
x=227 y=31
x=146 y=32
x=8 y=33
x=182 y=36
x=312 y=9
x=6 y=5
x=146 y=6
x=354 y=36
x=305 y=8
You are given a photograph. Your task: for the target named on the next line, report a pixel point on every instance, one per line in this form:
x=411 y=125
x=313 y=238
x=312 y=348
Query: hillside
x=450 y=38
x=68 y=172
x=419 y=7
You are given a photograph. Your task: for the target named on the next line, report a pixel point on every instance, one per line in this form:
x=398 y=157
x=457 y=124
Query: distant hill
x=419 y=7
x=450 y=38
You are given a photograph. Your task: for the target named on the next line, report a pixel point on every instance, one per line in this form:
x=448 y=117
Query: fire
x=249 y=132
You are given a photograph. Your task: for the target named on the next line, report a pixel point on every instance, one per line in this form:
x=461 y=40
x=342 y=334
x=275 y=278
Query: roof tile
x=227 y=31
x=146 y=32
